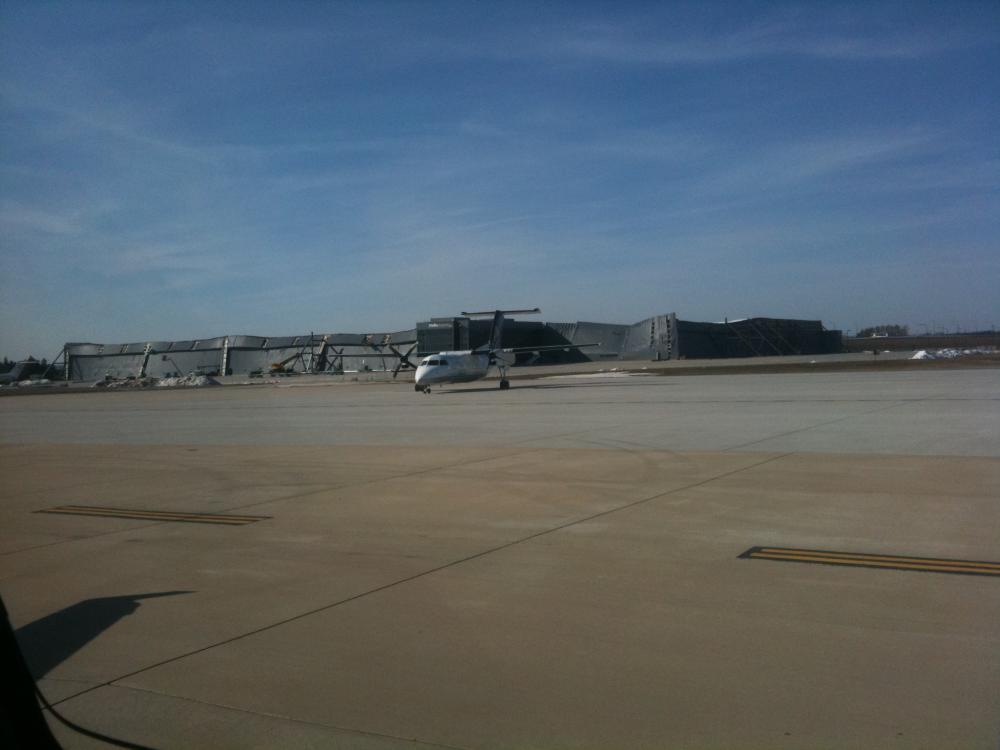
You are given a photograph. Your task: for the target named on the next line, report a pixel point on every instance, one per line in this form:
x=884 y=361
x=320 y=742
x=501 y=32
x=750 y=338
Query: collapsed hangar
x=235 y=355
x=661 y=337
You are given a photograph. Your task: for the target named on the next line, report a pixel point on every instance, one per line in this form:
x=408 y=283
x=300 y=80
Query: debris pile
x=129 y=383
x=187 y=381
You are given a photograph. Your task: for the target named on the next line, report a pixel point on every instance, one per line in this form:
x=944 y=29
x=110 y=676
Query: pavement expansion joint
x=115 y=685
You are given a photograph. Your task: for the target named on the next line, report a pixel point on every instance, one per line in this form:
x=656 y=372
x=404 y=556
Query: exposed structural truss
x=236 y=355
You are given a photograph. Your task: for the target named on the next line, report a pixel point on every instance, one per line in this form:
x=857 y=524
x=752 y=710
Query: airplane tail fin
x=496 y=330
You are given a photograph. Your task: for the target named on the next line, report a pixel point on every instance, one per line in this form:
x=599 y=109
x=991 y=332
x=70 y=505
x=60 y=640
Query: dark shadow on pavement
x=48 y=642
x=516 y=386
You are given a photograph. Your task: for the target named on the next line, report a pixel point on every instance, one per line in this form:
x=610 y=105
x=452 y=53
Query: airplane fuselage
x=453 y=367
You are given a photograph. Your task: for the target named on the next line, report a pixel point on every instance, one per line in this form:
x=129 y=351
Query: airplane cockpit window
x=443 y=362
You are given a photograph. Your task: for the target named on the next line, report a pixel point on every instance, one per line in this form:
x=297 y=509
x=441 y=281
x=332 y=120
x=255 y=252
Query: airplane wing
x=547 y=348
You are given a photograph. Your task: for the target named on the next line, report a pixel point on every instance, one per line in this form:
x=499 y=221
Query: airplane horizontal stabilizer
x=533 y=311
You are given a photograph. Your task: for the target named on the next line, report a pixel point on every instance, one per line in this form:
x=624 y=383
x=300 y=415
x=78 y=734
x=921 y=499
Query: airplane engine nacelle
x=505 y=359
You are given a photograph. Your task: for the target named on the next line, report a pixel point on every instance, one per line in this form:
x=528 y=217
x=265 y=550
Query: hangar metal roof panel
x=246 y=342
x=84 y=350
x=280 y=342
x=213 y=343
x=345 y=339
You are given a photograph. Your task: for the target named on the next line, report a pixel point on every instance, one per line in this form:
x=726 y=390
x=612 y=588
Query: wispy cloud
x=704 y=34
x=648 y=145
x=789 y=165
x=635 y=45
x=676 y=34
x=16 y=217
x=167 y=257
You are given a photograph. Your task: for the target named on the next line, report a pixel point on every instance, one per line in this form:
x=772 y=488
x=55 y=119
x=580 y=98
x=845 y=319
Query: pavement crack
x=431 y=571
x=282 y=717
x=893 y=405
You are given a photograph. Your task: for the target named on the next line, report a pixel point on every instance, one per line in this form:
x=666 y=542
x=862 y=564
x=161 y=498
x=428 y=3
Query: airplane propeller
x=404 y=359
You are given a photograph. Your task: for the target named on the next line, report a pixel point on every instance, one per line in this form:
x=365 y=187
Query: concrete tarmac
x=558 y=565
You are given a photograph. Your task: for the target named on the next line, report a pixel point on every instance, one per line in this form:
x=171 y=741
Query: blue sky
x=181 y=170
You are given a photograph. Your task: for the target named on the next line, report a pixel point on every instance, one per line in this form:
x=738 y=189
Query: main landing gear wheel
x=504 y=384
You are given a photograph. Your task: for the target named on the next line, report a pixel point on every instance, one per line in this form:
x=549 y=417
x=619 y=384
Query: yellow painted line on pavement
x=880 y=558
x=154 y=515
x=146 y=515
x=186 y=514
x=867 y=560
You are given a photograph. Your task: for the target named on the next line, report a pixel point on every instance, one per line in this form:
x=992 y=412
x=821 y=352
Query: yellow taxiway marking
x=154 y=515
x=866 y=560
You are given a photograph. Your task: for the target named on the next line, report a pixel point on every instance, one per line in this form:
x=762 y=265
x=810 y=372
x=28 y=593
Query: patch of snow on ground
x=953 y=353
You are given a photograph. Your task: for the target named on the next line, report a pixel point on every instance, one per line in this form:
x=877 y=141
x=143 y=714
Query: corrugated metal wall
x=648 y=339
x=755 y=337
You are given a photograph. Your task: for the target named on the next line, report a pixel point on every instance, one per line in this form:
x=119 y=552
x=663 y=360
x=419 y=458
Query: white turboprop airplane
x=474 y=364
